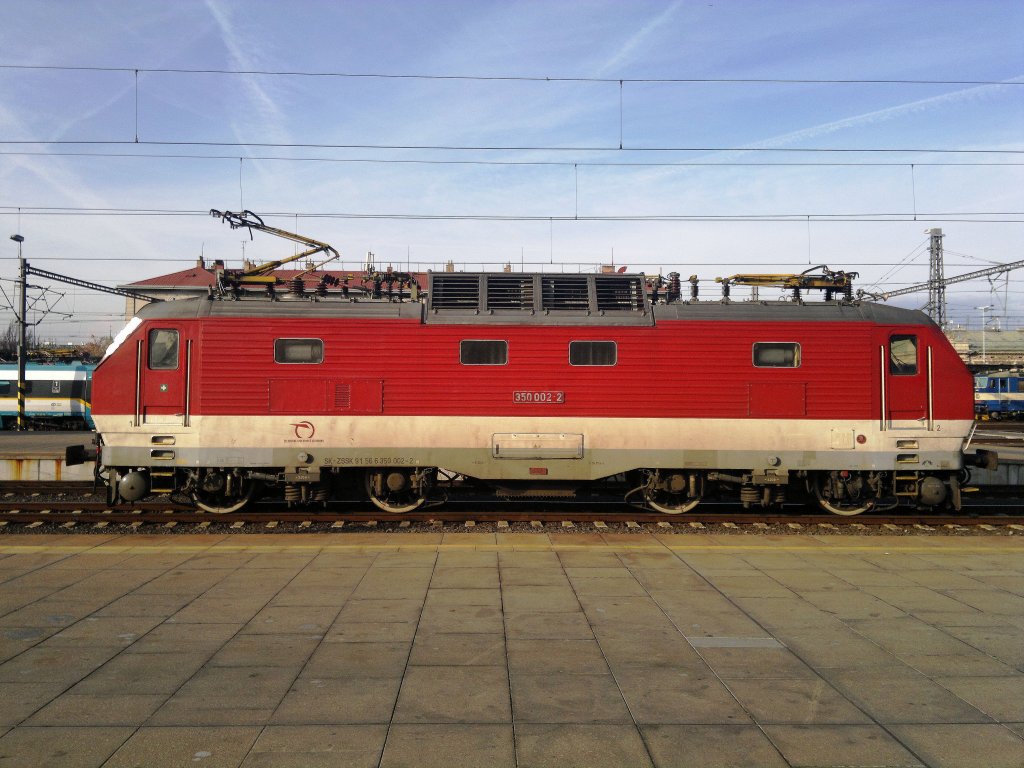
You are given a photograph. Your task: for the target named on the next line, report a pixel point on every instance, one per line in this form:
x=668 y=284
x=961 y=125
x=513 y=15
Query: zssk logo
x=304 y=430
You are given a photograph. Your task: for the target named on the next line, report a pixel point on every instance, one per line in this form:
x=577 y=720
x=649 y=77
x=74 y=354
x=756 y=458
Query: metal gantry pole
x=22 y=327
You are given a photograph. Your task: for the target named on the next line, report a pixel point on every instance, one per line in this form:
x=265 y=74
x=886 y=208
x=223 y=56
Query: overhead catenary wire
x=511 y=147
x=511 y=78
x=542 y=163
x=968 y=216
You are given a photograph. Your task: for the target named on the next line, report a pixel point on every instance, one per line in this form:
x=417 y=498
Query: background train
x=57 y=395
x=534 y=386
x=999 y=395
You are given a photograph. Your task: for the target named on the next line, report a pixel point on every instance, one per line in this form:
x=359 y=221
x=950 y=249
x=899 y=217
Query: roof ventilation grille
x=560 y=292
x=455 y=291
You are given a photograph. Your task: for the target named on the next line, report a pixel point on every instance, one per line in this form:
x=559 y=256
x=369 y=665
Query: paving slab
x=449 y=746
x=388 y=648
x=452 y=649
x=219 y=747
x=963 y=746
x=60 y=747
x=849 y=746
x=458 y=694
x=711 y=746
x=317 y=746
x=544 y=745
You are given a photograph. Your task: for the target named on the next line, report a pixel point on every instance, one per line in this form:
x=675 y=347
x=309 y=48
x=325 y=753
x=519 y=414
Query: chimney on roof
x=200 y=264
x=218 y=265
x=450 y=266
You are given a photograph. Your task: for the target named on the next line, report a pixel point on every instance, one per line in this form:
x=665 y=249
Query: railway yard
x=497 y=634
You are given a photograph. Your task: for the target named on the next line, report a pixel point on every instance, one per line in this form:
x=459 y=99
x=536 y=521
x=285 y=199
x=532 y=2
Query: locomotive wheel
x=662 y=496
x=847 y=509
x=220 y=504
x=392 y=491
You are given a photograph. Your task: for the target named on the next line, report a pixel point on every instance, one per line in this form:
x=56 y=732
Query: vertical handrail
x=881 y=350
x=188 y=383
x=138 y=383
x=931 y=393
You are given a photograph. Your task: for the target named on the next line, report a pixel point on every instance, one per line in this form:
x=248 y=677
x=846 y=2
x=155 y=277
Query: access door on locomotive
x=907 y=382
x=163 y=367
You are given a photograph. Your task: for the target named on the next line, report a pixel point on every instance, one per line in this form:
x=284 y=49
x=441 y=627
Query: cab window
x=903 y=355
x=163 y=349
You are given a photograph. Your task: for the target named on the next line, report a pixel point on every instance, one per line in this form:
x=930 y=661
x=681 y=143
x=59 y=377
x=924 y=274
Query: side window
x=5 y=387
x=163 y=349
x=592 y=353
x=902 y=355
x=776 y=354
x=478 y=352
x=298 y=351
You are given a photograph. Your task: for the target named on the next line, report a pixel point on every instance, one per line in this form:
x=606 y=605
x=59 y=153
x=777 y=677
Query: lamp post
x=22 y=322
x=984 y=355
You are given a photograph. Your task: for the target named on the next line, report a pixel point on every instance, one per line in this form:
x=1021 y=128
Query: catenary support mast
x=936 y=307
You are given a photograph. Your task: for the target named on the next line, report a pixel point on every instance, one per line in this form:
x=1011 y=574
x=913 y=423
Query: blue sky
x=232 y=140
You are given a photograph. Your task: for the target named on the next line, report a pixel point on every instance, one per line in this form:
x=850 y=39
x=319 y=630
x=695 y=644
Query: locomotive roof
x=713 y=310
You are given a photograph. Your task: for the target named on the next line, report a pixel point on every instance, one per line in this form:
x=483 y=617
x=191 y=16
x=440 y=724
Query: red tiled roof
x=187 y=277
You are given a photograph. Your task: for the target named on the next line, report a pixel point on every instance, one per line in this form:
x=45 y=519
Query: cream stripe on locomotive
x=507 y=448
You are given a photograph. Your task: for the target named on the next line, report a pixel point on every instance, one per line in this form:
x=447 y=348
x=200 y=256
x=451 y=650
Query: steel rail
x=60 y=512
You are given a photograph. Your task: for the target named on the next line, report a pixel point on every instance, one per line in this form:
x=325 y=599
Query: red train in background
x=542 y=385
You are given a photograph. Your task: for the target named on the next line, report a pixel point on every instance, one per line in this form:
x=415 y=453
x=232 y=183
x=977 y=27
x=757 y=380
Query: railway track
x=69 y=505
x=83 y=513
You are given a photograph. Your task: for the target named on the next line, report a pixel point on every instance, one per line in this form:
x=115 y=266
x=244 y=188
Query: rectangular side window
x=776 y=354
x=308 y=351
x=592 y=353
x=163 y=349
x=902 y=355
x=479 y=352
x=5 y=387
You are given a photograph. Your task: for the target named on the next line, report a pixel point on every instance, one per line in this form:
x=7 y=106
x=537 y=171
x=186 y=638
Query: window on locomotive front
x=776 y=354
x=163 y=349
x=903 y=355
x=592 y=353
x=481 y=352
x=308 y=351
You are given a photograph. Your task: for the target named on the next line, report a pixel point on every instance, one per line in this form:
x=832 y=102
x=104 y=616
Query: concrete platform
x=30 y=456
x=482 y=649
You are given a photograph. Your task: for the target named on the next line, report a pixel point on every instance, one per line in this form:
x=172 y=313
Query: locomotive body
x=535 y=385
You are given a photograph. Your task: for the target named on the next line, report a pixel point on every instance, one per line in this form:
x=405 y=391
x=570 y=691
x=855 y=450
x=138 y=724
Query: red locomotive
x=534 y=384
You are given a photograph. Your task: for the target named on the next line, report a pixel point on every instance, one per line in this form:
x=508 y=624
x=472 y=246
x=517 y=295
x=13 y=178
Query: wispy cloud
x=635 y=41
x=884 y=115
x=270 y=115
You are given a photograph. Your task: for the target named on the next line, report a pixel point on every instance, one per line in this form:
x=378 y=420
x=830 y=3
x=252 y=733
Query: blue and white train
x=57 y=395
x=999 y=395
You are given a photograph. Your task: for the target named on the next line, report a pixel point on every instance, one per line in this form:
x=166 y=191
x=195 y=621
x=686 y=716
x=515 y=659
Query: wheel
x=214 y=493
x=395 y=490
x=846 y=509
x=674 y=493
